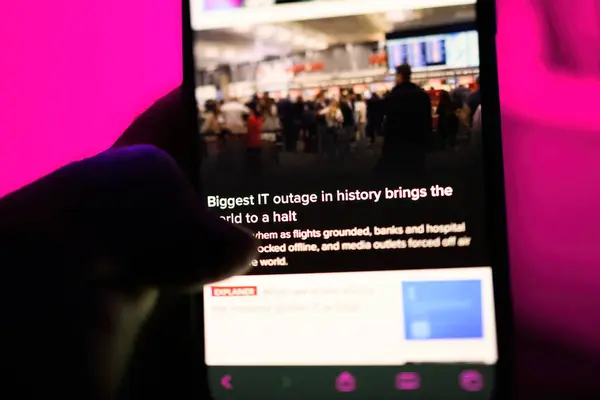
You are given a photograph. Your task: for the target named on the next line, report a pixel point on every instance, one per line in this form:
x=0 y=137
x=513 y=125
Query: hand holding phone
x=87 y=250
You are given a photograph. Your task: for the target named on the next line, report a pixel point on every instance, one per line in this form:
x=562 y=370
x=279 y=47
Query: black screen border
x=495 y=207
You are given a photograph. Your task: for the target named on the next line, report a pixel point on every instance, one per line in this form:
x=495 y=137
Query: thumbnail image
x=442 y=310
x=377 y=93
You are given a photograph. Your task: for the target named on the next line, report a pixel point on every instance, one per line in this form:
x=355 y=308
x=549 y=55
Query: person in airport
x=447 y=121
x=334 y=122
x=268 y=110
x=473 y=101
x=233 y=112
x=374 y=117
x=211 y=120
x=298 y=123
x=476 y=129
x=234 y=129
x=272 y=130
x=286 y=111
x=360 y=111
x=310 y=127
x=254 y=123
x=253 y=102
x=210 y=127
x=459 y=95
x=348 y=131
x=266 y=96
x=321 y=123
x=407 y=126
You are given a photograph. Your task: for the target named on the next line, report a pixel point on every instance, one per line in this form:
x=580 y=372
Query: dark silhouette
x=374 y=117
x=253 y=146
x=407 y=126
x=447 y=126
x=310 y=126
x=298 y=124
x=346 y=134
x=286 y=114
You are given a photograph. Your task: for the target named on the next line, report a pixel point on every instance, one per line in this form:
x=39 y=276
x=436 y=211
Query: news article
x=346 y=143
x=364 y=238
x=378 y=305
x=359 y=229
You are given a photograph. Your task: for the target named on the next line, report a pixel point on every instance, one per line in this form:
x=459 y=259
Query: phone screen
x=347 y=135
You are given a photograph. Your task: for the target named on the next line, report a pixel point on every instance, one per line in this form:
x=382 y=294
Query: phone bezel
x=495 y=204
x=497 y=236
x=199 y=387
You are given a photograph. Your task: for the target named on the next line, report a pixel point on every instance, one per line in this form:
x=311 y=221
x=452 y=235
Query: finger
x=168 y=125
x=131 y=215
x=155 y=125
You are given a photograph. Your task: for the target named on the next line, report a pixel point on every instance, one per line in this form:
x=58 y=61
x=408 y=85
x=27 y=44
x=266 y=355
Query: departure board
x=435 y=52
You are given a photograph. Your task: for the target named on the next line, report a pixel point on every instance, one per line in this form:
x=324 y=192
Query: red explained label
x=219 y=291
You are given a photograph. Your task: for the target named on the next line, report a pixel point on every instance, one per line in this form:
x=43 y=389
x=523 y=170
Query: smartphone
x=348 y=135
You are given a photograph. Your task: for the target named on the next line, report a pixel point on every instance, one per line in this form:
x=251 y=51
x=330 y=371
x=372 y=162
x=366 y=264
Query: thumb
x=133 y=218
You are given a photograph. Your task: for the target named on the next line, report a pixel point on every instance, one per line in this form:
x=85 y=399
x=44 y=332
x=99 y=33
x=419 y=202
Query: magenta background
x=551 y=134
x=74 y=74
x=552 y=168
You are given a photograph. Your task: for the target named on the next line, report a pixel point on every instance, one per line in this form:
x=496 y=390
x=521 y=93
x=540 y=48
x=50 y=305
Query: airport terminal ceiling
x=250 y=43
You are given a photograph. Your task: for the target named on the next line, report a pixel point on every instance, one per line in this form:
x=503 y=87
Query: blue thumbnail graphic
x=442 y=310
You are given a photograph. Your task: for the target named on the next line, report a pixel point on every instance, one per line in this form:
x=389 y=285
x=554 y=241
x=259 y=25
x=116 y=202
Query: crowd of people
x=334 y=128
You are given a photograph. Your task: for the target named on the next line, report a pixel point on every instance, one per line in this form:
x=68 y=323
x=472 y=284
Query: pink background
x=74 y=74
x=551 y=133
